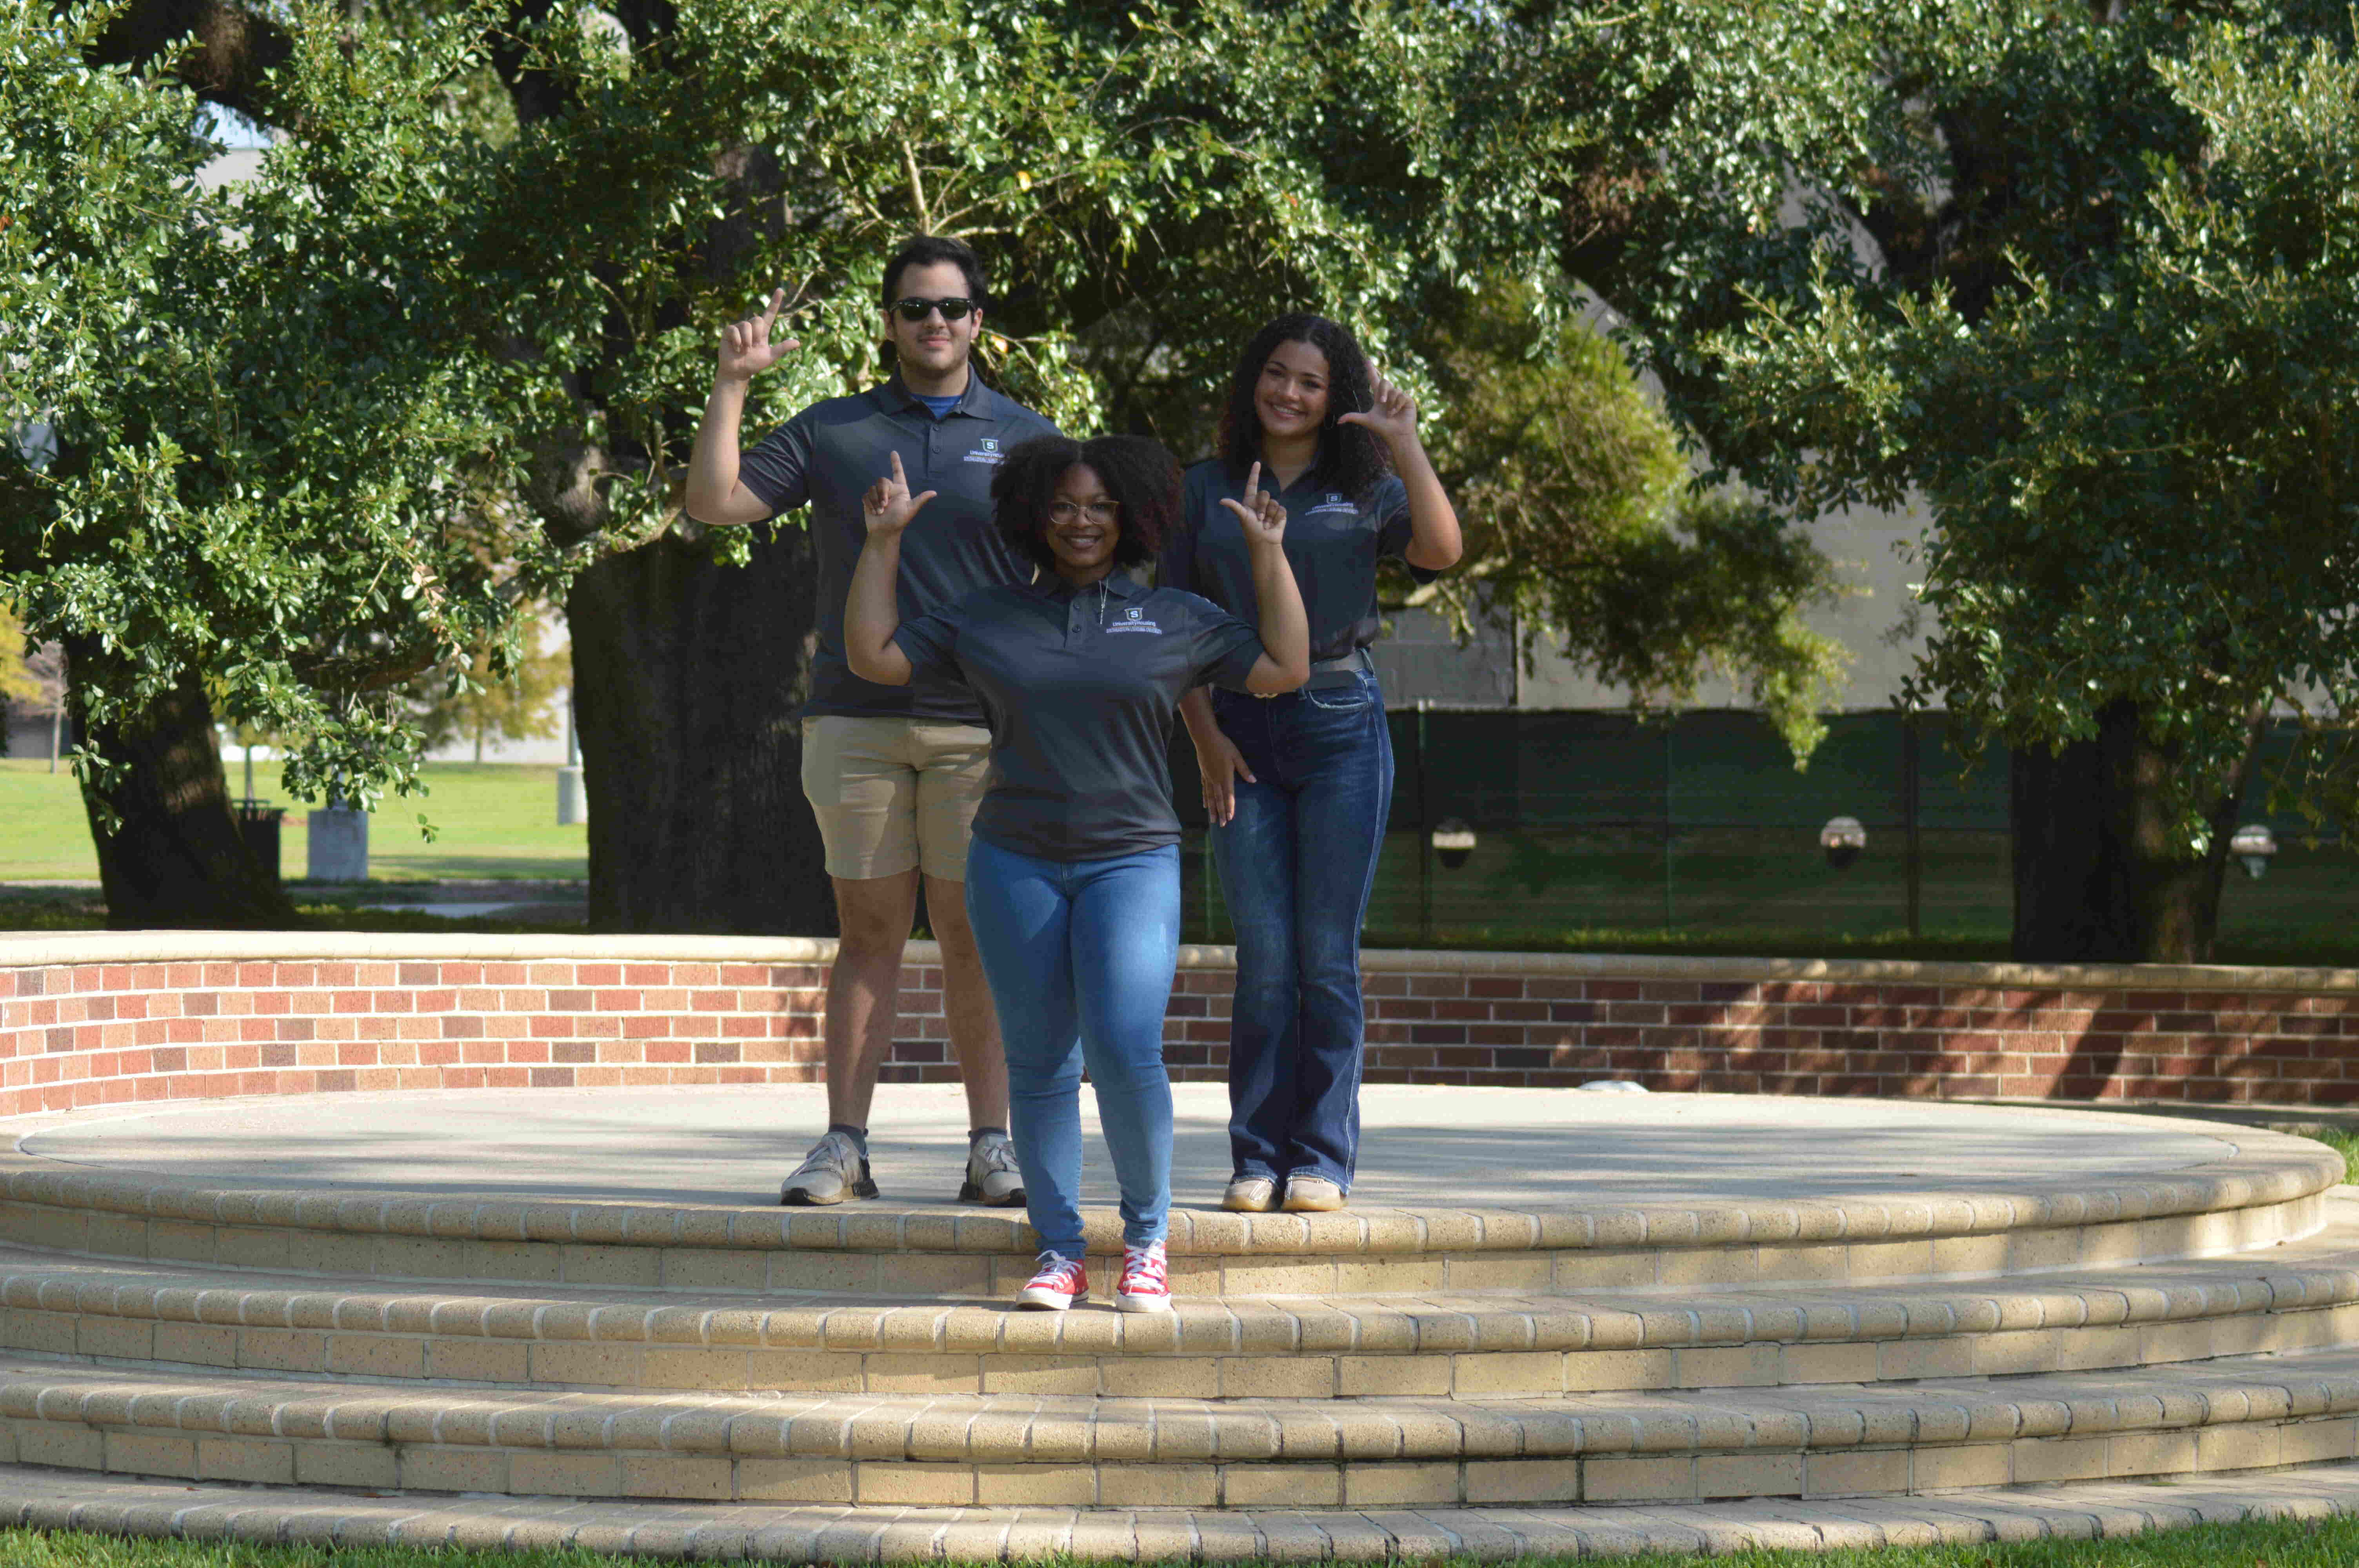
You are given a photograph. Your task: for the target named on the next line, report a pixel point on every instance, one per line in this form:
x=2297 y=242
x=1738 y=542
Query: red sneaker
x=1058 y=1282
x=1143 y=1287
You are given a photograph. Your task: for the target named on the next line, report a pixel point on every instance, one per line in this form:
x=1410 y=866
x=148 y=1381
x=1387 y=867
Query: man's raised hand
x=1261 y=517
x=889 y=504
x=745 y=347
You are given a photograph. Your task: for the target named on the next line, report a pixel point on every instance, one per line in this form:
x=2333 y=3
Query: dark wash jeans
x=1297 y=863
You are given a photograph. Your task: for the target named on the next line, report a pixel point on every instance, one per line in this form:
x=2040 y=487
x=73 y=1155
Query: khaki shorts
x=891 y=794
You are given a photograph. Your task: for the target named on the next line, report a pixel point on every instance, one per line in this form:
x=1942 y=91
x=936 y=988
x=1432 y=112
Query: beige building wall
x=1876 y=618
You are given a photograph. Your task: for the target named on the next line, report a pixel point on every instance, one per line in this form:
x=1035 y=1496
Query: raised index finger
x=777 y=298
x=898 y=477
x=1253 y=484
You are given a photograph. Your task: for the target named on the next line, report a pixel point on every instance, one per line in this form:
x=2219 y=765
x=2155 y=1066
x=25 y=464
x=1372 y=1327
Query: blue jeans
x=1080 y=955
x=1297 y=863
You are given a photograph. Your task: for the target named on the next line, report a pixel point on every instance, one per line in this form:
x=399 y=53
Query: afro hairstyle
x=1136 y=472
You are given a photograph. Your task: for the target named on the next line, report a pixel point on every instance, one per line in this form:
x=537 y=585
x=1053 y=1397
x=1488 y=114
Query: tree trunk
x=220 y=50
x=686 y=675
x=174 y=857
x=2101 y=875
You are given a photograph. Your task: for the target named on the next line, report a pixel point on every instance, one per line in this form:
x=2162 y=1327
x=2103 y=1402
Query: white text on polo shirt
x=987 y=453
x=1333 y=503
x=1131 y=622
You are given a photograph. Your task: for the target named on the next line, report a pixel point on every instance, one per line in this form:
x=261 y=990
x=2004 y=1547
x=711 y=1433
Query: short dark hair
x=925 y=250
x=1139 y=473
x=1350 y=459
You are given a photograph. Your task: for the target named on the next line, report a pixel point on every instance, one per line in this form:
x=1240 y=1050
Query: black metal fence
x=1590 y=825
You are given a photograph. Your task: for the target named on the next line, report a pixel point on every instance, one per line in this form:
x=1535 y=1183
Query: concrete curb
x=60 y=1500
x=2267 y=1170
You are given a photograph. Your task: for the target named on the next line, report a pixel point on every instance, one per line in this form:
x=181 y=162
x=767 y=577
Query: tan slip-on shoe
x=1311 y=1195
x=1250 y=1195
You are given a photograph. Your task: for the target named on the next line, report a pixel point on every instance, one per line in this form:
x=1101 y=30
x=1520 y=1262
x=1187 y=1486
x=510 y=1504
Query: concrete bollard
x=572 y=799
x=339 y=846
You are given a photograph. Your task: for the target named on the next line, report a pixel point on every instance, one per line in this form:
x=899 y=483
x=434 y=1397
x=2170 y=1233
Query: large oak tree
x=445 y=354
x=2082 y=279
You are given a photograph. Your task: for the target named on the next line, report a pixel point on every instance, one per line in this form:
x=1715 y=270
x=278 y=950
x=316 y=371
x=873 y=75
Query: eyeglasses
x=916 y=309
x=1098 y=510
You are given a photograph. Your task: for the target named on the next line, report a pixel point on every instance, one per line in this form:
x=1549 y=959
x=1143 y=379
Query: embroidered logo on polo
x=1334 y=503
x=1133 y=620
x=986 y=451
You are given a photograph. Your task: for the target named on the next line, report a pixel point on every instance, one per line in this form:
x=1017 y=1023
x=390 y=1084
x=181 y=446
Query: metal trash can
x=258 y=824
x=339 y=845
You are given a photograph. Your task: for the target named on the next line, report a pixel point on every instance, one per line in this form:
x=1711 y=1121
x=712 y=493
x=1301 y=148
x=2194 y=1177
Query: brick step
x=2233 y=1414
x=53 y=1499
x=2268 y=1191
x=2300 y=1296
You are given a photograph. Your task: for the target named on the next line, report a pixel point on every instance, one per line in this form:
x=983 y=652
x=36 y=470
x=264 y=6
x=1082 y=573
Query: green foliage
x=18 y=681
x=507 y=691
x=324 y=432
x=2139 y=449
x=1580 y=518
x=267 y=406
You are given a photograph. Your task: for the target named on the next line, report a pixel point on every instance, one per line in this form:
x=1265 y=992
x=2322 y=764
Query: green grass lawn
x=495 y=820
x=2329 y=1543
x=1754 y=893
x=1769 y=892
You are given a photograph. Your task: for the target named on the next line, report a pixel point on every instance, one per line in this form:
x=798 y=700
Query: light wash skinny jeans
x=1080 y=955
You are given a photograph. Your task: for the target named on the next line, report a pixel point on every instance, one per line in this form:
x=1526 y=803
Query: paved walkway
x=1469 y=1146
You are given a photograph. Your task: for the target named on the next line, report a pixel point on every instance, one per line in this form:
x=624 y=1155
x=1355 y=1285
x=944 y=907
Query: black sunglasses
x=916 y=309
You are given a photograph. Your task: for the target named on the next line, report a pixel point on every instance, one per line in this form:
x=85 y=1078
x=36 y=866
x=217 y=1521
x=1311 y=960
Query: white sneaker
x=834 y=1171
x=992 y=1177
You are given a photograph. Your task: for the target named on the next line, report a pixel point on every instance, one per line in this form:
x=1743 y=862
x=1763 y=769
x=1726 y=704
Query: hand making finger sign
x=745 y=347
x=1261 y=517
x=1391 y=417
x=889 y=504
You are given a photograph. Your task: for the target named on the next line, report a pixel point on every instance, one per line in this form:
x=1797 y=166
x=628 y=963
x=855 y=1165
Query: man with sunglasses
x=892 y=773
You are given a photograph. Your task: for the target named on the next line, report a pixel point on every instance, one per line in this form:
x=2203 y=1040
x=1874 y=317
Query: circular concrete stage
x=1550 y=1322
x=1421 y=1147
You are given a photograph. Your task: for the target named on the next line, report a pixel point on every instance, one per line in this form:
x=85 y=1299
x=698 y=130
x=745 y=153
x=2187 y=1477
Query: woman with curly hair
x=1073 y=883
x=1298 y=786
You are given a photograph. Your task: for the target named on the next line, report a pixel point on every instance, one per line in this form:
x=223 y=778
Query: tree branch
x=230 y=48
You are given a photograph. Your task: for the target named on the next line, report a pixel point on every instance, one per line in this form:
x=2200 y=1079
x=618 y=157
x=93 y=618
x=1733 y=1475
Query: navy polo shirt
x=1332 y=541
x=1079 y=689
x=830 y=454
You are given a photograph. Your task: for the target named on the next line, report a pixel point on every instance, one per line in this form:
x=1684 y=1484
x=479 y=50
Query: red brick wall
x=84 y=1021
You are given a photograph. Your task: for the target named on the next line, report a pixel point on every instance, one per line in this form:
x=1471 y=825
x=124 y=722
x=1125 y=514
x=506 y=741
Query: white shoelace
x=835 y=1152
x=1053 y=1267
x=1144 y=1265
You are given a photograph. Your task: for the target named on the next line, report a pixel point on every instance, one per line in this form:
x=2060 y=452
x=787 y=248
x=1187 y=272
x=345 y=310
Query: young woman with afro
x=1073 y=874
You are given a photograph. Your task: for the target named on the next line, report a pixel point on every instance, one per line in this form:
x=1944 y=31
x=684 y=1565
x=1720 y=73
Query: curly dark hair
x=1138 y=472
x=1350 y=459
